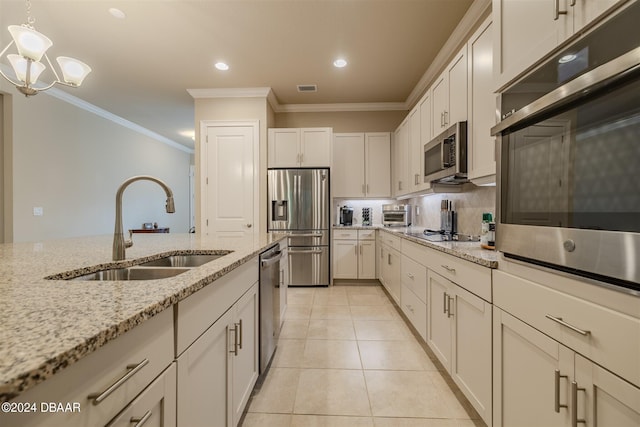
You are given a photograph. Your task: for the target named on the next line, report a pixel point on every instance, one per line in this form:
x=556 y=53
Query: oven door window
x=433 y=161
x=578 y=168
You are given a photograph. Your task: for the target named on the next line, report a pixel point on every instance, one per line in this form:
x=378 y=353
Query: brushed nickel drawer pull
x=444 y=302
x=140 y=420
x=567 y=325
x=449 y=313
x=240 y=333
x=235 y=339
x=557 y=391
x=449 y=269
x=132 y=370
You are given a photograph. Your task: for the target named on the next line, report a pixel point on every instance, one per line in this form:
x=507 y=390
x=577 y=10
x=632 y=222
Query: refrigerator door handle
x=305 y=251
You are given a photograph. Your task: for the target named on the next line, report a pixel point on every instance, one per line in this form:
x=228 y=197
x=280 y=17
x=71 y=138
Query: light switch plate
x=38 y=211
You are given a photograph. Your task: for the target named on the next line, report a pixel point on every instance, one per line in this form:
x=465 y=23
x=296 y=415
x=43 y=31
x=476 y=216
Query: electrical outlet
x=38 y=211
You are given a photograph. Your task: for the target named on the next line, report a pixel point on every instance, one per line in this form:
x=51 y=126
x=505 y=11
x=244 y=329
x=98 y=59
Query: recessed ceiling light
x=567 y=58
x=189 y=134
x=221 y=66
x=117 y=13
x=339 y=63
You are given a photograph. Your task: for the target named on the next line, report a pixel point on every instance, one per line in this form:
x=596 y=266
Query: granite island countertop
x=470 y=251
x=47 y=325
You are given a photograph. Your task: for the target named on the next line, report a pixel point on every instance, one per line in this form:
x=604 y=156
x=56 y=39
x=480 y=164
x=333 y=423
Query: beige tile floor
x=346 y=358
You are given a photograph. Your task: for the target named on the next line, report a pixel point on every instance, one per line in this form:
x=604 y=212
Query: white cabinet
x=354 y=254
x=361 y=165
x=459 y=333
x=413 y=295
x=217 y=347
x=526 y=31
x=303 y=147
x=400 y=158
x=204 y=392
x=390 y=262
x=481 y=158
x=416 y=146
x=106 y=381
x=216 y=374
x=155 y=406
x=449 y=95
x=538 y=381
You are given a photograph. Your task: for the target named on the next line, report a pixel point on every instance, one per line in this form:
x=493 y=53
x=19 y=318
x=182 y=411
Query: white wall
x=70 y=162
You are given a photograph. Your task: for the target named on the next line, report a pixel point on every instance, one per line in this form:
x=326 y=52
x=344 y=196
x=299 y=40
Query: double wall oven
x=569 y=158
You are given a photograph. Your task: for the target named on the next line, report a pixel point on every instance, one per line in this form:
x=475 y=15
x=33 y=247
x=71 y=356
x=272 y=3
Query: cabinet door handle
x=389 y=259
x=410 y=276
x=140 y=420
x=367 y=188
x=573 y=3
x=131 y=371
x=557 y=12
x=557 y=391
x=360 y=249
x=449 y=313
x=567 y=325
x=235 y=339
x=574 y=405
x=446 y=118
x=449 y=269
x=240 y=334
x=444 y=302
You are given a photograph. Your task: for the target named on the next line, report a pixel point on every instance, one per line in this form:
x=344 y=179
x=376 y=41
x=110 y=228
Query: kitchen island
x=47 y=325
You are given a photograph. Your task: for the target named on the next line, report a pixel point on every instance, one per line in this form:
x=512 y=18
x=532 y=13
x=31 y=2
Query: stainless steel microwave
x=445 y=156
x=569 y=160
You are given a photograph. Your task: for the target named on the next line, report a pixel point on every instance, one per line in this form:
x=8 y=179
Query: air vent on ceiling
x=307 y=88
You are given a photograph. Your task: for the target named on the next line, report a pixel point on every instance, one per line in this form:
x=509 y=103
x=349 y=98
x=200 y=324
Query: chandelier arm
x=7 y=47
x=18 y=84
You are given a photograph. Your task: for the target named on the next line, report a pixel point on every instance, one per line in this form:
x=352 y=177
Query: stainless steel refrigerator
x=299 y=205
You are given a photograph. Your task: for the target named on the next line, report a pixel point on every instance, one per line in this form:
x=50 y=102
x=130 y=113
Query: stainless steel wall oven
x=569 y=158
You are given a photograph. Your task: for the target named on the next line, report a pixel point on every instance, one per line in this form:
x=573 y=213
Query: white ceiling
x=144 y=64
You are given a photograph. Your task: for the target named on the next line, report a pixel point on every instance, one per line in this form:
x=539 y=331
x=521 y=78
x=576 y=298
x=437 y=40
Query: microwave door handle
x=442 y=164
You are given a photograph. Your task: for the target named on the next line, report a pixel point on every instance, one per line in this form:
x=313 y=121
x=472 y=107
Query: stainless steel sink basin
x=134 y=273
x=189 y=260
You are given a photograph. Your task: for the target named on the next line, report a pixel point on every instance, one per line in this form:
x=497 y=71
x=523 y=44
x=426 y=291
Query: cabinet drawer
x=199 y=311
x=345 y=234
x=151 y=341
x=366 y=234
x=156 y=405
x=473 y=277
x=613 y=338
x=415 y=310
x=390 y=240
x=414 y=276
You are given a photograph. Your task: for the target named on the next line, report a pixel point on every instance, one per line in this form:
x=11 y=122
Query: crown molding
x=462 y=32
x=346 y=107
x=84 y=105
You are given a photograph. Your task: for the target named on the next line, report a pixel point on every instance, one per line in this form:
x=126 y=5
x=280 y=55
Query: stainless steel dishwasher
x=269 y=304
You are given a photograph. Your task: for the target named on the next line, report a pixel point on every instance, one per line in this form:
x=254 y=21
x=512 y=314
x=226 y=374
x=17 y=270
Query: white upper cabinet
x=449 y=95
x=401 y=160
x=526 y=30
x=361 y=165
x=481 y=159
x=415 y=151
x=304 y=147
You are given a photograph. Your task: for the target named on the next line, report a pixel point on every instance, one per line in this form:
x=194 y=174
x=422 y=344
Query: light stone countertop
x=47 y=325
x=470 y=251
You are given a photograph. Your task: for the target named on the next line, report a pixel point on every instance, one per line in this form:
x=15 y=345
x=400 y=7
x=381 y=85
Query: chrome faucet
x=119 y=244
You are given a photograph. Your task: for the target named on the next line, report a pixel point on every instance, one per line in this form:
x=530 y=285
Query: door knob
x=249 y=225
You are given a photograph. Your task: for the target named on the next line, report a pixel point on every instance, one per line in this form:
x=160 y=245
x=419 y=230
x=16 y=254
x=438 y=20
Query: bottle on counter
x=487 y=231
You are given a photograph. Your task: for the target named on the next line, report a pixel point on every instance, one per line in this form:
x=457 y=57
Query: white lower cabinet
x=216 y=374
x=540 y=382
x=354 y=254
x=390 y=271
x=459 y=333
x=154 y=407
x=106 y=381
x=413 y=295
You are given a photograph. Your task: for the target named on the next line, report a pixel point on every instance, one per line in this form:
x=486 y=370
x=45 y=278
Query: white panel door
x=378 y=164
x=457 y=110
x=345 y=259
x=367 y=259
x=347 y=173
x=229 y=182
x=439 y=294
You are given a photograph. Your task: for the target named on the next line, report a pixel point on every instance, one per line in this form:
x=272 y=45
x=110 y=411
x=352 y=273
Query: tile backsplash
x=469 y=206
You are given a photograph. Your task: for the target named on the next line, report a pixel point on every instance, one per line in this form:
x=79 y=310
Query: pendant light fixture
x=27 y=66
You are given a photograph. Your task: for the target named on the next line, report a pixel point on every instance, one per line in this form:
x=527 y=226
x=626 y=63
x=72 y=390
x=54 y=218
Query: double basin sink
x=159 y=268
